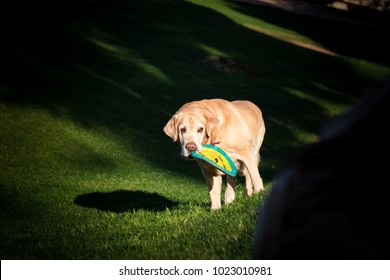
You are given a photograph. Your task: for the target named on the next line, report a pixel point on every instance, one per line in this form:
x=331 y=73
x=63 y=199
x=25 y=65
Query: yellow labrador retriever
x=236 y=127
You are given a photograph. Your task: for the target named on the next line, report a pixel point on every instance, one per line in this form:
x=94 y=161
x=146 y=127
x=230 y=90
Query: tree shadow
x=361 y=37
x=124 y=201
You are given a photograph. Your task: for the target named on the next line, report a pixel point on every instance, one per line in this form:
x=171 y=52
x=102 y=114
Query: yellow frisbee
x=216 y=157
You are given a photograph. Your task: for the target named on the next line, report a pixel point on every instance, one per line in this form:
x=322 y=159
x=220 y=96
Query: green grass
x=86 y=171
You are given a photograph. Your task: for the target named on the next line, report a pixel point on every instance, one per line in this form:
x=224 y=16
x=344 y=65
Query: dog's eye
x=200 y=129
x=183 y=130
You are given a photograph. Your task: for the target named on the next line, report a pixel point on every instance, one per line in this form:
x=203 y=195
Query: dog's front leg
x=229 y=193
x=215 y=186
x=214 y=183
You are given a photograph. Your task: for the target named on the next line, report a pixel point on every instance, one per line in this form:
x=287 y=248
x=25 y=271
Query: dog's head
x=191 y=126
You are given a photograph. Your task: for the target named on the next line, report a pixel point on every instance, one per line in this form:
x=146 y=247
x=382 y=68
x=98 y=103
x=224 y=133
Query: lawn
x=86 y=171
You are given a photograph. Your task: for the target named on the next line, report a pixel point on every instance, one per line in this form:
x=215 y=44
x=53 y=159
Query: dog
x=236 y=127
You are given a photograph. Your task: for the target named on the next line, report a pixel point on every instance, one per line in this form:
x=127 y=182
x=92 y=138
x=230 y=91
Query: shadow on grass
x=123 y=201
x=362 y=37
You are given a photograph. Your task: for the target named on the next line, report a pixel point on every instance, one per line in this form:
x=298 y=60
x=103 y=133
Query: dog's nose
x=190 y=147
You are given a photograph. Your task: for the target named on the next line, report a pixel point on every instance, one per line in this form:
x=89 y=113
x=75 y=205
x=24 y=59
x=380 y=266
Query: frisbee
x=216 y=157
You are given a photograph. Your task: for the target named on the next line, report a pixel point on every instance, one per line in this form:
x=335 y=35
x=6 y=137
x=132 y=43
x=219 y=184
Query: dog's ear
x=170 y=128
x=211 y=125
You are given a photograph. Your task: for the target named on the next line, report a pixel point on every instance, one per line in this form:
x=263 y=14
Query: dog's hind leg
x=248 y=190
x=254 y=176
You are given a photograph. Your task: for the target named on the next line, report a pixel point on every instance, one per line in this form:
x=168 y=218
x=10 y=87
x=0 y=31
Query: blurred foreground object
x=331 y=202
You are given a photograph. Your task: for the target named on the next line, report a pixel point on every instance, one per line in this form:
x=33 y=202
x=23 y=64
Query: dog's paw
x=229 y=197
x=259 y=187
x=215 y=206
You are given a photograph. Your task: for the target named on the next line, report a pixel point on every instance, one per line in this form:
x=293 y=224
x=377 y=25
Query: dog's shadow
x=123 y=201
